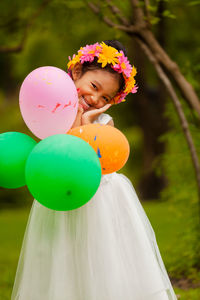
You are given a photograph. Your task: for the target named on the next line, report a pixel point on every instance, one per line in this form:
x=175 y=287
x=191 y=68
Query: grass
x=166 y=226
x=12 y=227
x=168 y=230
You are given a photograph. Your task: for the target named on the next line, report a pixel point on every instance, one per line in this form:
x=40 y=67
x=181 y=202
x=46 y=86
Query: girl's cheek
x=102 y=104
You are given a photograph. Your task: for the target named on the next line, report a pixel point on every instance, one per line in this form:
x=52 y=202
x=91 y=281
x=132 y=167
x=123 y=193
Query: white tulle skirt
x=104 y=250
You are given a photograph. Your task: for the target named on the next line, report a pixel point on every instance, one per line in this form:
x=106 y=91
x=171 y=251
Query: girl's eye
x=94 y=85
x=105 y=98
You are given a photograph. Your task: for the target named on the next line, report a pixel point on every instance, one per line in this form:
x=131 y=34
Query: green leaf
x=168 y=14
x=155 y=20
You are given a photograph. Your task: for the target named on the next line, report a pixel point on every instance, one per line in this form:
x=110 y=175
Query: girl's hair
x=89 y=66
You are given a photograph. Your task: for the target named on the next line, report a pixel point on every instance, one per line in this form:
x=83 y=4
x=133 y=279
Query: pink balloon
x=48 y=101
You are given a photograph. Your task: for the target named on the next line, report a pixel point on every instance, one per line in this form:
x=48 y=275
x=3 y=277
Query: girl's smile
x=84 y=103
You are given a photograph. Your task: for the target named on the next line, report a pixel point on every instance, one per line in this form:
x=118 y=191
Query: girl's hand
x=89 y=116
x=78 y=121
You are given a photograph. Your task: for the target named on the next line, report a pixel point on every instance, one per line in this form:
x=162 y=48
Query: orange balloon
x=109 y=143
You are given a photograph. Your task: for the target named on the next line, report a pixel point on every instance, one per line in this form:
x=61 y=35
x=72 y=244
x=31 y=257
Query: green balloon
x=63 y=172
x=14 y=150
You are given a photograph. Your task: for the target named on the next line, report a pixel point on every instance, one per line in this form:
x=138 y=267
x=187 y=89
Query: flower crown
x=108 y=55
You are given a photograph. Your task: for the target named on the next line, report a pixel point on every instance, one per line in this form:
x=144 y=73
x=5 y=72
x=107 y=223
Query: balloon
x=109 y=143
x=48 y=101
x=14 y=150
x=63 y=172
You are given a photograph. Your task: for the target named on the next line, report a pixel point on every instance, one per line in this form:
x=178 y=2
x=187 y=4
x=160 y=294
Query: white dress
x=104 y=250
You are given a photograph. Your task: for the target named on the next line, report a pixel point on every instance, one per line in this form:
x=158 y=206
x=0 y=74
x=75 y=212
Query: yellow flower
x=74 y=61
x=130 y=82
x=123 y=66
x=108 y=55
x=133 y=72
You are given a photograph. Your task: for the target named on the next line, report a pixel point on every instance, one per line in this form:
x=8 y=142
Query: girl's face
x=95 y=88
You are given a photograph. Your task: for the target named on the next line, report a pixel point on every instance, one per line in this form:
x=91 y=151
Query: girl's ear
x=77 y=71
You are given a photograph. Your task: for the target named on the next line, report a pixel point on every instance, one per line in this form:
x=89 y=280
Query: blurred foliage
x=181 y=193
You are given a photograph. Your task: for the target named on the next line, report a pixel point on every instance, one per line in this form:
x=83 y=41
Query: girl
x=106 y=249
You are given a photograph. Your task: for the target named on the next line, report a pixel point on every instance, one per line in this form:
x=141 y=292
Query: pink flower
x=69 y=57
x=87 y=57
x=89 y=52
x=123 y=65
x=134 y=90
x=117 y=68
